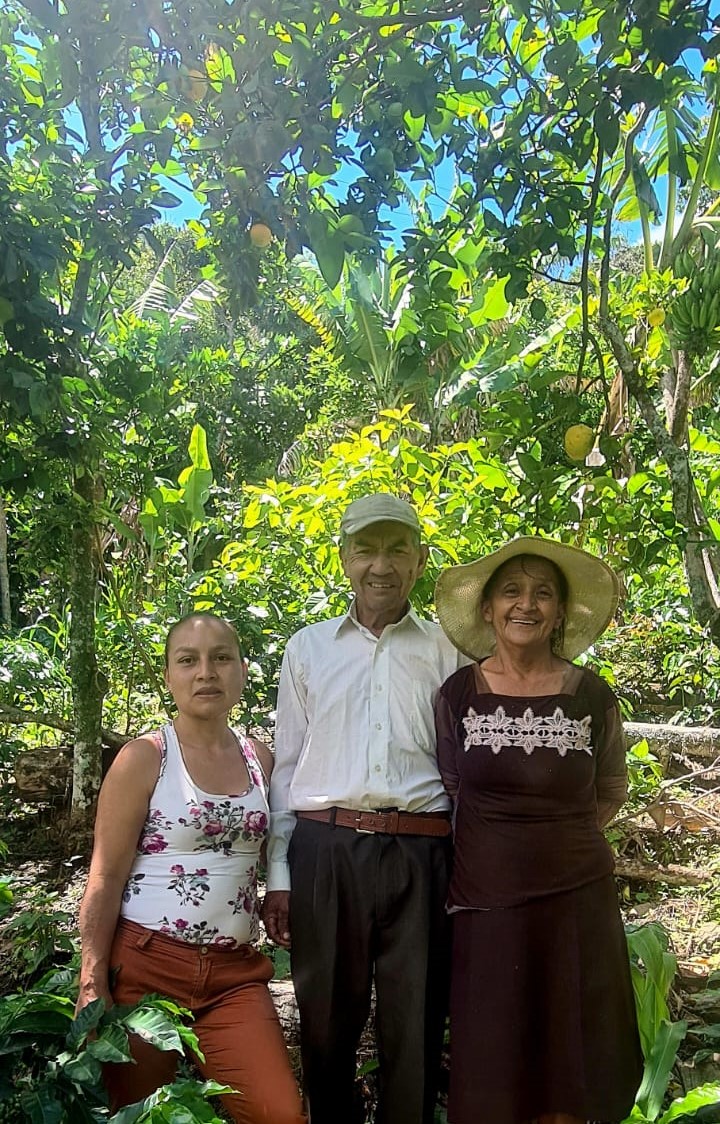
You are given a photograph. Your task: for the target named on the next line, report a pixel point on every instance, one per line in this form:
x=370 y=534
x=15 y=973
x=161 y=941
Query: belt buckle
x=383 y=820
x=364 y=830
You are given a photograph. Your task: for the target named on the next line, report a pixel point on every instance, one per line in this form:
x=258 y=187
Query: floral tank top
x=195 y=871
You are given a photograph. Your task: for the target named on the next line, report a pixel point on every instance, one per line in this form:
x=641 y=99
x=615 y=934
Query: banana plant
x=168 y=508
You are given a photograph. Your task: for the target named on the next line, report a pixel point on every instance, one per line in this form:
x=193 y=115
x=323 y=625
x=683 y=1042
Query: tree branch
x=14 y=716
x=584 y=268
x=614 y=195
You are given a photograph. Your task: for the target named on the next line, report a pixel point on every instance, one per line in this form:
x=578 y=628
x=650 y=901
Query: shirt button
x=378 y=768
x=378 y=725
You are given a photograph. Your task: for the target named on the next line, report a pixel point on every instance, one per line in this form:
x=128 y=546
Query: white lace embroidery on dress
x=556 y=731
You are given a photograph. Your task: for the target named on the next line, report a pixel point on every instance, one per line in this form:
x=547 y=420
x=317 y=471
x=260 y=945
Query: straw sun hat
x=593 y=591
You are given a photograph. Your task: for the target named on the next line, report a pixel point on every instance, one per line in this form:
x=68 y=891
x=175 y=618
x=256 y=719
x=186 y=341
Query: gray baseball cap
x=378 y=508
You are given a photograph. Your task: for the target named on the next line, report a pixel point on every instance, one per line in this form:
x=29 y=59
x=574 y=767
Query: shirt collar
x=410 y=620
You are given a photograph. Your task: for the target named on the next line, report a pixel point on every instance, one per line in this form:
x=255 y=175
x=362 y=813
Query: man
x=360 y=827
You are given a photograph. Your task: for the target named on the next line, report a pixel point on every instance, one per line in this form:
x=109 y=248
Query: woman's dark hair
x=200 y=615
x=558 y=636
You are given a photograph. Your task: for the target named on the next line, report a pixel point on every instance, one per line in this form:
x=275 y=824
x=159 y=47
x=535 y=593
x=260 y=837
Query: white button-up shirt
x=355 y=725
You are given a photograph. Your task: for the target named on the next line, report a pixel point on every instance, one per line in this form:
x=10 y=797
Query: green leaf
x=197 y=480
x=494 y=304
x=41 y=1106
x=644 y=188
x=658 y=1067
x=197 y=448
x=559 y=60
x=330 y=254
x=529 y=465
x=86 y=1020
x=111 y=1045
x=164 y=199
x=712 y=172
x=83 y=1070
x=414 y=126
x=7 y=312
x=607 y=125
x=697 y=1098
x=155 y=1027
x=218 y=65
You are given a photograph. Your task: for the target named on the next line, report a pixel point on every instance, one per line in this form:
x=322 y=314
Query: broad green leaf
x=197 y=480
x=155 y=1027
x=697 y=1098
x=42 y=1106
x=658 y=1067
x=607 y=125
x=330 y=254
x=198 y=448
x=111 y=1045
x=637 y=482
x=86 y=1020
x=83 y=1070
x=494 y=305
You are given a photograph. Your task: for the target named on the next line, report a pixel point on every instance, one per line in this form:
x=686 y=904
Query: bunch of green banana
x=695 y=313
x=684 y=264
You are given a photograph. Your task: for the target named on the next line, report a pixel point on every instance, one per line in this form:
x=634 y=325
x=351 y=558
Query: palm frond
x=204 y=293
x=159 y=296
x=312 y=315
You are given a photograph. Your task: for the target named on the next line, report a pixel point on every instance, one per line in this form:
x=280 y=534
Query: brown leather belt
x=390 y=822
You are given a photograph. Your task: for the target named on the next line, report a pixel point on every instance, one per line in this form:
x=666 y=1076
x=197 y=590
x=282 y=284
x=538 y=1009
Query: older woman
x=531 y=751
x=171 y=900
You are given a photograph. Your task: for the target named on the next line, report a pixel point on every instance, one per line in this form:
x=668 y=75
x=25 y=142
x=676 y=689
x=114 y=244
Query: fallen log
x=666 y=741
x=43 y=773
x=671 y=873
x=663 y=739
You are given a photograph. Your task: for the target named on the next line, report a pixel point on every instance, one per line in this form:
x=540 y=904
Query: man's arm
x=290 y=730
x=446 y=748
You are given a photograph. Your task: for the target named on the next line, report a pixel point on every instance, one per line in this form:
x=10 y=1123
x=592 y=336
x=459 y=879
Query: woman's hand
x=89 y=992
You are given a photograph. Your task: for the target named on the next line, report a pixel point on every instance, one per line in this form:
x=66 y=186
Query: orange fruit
x=260 y=235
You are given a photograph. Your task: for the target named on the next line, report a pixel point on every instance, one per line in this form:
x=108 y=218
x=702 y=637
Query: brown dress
x=542 y=1013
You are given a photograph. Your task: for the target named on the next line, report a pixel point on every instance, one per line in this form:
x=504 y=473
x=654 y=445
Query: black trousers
x=366 y=907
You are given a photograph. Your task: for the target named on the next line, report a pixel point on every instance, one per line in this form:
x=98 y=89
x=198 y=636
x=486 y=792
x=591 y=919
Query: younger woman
x=171 y=900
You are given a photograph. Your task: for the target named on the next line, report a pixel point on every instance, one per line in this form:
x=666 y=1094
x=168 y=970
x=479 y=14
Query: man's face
x=382 y=563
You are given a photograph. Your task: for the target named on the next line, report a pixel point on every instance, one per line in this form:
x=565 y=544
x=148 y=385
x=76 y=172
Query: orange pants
x=235 y=1022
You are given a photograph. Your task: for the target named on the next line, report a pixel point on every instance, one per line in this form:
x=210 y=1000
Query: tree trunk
x=4 y=571
x=701 y=552
x=87 y=692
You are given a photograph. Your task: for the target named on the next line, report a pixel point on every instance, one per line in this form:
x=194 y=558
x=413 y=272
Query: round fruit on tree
x=260 y=235
x=578 y=441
